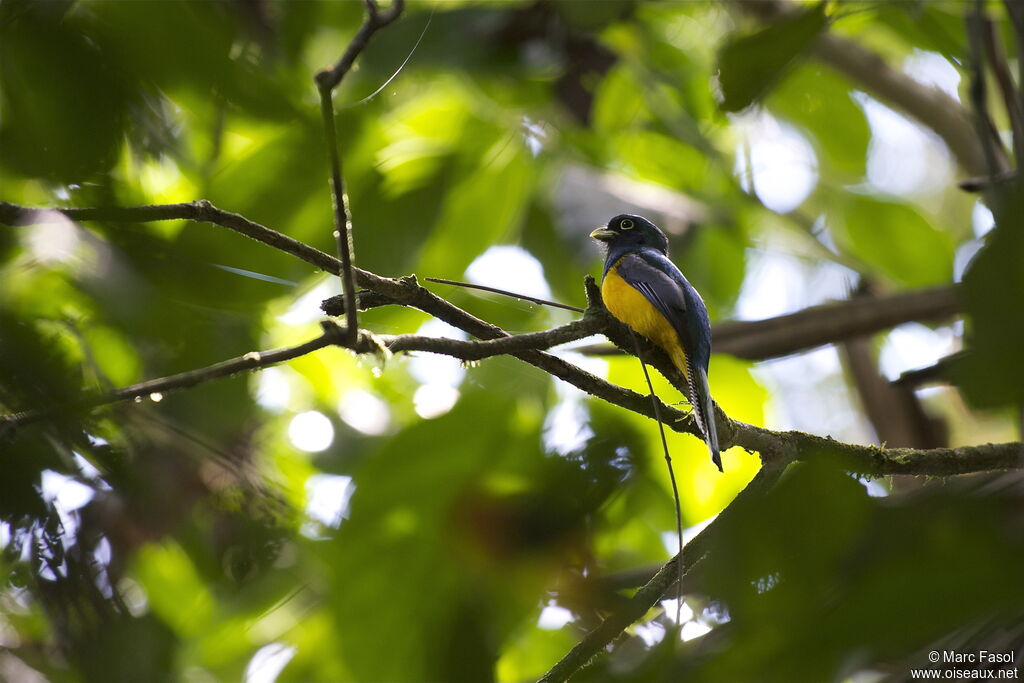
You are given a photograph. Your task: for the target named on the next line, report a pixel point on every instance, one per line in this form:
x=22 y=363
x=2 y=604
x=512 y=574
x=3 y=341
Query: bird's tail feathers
x=704 y=411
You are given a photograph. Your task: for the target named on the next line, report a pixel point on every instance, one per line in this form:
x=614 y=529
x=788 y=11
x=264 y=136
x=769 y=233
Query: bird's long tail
x=704 y=410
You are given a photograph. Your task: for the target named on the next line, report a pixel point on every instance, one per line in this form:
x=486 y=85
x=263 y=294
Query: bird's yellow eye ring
x=627 y=224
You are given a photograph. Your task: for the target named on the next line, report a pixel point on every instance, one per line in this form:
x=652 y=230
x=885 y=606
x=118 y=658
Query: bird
x=642 y=288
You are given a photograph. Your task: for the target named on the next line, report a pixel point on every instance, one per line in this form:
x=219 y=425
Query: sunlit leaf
x=174 y=589
x=619 y=101
x=402 y=571
x=483 y=209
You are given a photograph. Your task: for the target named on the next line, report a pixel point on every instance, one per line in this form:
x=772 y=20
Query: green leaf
x=114 y=355
x=993 y=375
x=751 y=65
x=869 y=568
x=399 y=573
x=420 y=134
x=619 y=101
x=818 y=101
x=663 y=159
x=484 y=208
x=176 y=591
x=715 y=262
x=933 y=26
x=146 y=39
x=63 y=103
x=894 y=240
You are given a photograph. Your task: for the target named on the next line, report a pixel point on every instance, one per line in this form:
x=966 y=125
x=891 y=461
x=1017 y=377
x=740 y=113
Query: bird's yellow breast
x=630 y=306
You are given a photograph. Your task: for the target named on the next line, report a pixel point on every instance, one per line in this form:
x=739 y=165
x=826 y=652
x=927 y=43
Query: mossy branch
x=776 y=449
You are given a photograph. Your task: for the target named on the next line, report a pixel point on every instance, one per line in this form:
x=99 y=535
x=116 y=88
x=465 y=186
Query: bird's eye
x=627 y=224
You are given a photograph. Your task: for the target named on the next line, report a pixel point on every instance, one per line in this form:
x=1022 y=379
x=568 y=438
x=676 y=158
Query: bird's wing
x=656 y=282
x=661 y=283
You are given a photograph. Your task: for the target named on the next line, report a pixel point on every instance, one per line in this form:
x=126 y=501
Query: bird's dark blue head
x=626 y=233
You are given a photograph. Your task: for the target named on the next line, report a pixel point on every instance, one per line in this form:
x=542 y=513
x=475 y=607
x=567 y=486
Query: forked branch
x=326 y=81
x=776 y=449
x=773 y=446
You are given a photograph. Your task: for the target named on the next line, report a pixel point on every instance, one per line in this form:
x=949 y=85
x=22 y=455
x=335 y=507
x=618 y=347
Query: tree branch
x=655 y=589
x=773 y=446
x=200 y=210
x=1004 y=79
x=333 y=335
x=930 y=106
x=478 y=350
x=326 y=81
x=342 y=215
x=988 y=134
x=375 y=20
x=751 y=340
x=182 y=380
x=828 y=323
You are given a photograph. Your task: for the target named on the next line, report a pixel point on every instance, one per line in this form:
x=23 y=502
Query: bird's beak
x=603 y=234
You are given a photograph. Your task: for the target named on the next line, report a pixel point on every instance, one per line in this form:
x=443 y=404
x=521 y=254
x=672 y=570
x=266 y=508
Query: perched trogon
x=645 y=290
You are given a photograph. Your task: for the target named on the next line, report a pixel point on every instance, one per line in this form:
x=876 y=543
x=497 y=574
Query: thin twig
x=985 y=128
x=1004 y=79
x=182 y=380
x=200 y=210
x=333 y=335
x=375 y=20
x=479 y=350
x=342 y=215
x=671 y=477
x=326 y=81
x=986 y=183
x=514 y=295
x=1015 y=11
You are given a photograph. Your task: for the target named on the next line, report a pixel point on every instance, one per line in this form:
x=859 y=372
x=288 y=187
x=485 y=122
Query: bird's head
x=626 y=232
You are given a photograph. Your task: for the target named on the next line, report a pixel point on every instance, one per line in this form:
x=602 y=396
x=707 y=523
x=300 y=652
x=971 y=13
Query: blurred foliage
x=751 y=65
x=350 y=519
